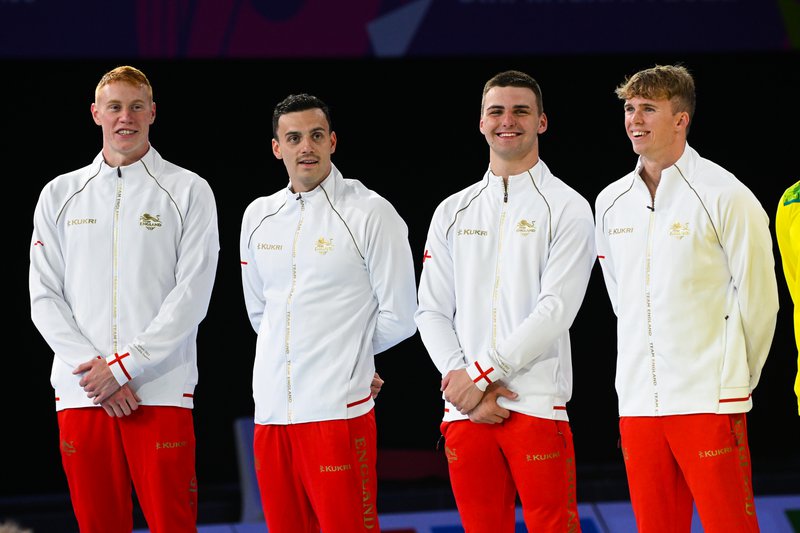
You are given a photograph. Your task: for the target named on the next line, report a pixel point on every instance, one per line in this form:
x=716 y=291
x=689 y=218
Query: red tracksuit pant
x=153 y=448
x=318 y=475
x=674 y=460
x=491 y=463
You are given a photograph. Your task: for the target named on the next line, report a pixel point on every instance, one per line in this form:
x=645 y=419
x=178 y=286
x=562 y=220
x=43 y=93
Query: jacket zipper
x=498 y=264
x=288 y=334
x=648 y=303
x=115 y=265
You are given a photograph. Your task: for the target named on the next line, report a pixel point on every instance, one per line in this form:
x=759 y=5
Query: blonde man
x=686 y=254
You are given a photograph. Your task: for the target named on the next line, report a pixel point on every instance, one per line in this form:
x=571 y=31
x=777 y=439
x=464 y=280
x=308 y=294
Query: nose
x=126 y=115
x=305 y=145
x=509 y=119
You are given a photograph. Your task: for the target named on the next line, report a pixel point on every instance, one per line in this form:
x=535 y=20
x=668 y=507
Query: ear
x=276 y=149
x=95 y=114
x=333 y=141
x=480 y=125
x=152 y=112
x=683 y=120
x=542 y=123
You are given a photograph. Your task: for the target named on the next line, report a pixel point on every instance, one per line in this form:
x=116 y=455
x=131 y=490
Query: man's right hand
x=122 y=403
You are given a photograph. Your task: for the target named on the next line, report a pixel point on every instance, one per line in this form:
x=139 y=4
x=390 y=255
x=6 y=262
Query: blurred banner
x=390 y=28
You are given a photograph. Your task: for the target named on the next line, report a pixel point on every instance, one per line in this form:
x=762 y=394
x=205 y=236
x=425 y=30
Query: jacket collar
x=330 y=185
x=537 y=172
x=683 y=168
x=151 y=162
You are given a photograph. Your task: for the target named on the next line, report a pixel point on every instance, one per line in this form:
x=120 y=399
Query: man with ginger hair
x=686 y=255
x=123 y=260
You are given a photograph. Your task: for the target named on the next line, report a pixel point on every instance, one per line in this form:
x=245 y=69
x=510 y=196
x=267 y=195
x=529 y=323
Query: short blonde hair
x=671 y=82
x=125 y=74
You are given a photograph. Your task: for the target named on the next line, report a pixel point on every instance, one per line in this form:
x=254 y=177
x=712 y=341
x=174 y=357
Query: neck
x=505 y=168
x=116 y=159
x=653 y=166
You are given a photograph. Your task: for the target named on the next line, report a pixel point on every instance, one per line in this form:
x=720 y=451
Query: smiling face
x=125 y=112
x=511 y=124
x=657 y=133
x=305 y=145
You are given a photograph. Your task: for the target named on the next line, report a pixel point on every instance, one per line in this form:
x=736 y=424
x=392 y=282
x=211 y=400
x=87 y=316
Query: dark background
x=407 y=127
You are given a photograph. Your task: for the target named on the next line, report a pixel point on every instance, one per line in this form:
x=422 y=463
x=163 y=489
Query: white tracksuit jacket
x=504 y=275
x=691 y=279
x=328 y=283
x=123 y=261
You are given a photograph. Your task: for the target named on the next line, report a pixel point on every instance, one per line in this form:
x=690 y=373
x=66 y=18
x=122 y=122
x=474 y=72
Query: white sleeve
x=603 y=256
x=50 y=312
x=187 y=303
x=563 y=285
x=391 y=272
x=437 y=300
x=747 y=241
x=252 y=285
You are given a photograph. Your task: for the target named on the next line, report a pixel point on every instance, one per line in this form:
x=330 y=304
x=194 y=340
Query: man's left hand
x=375 y=386
x=461 y=391
x=98 y=382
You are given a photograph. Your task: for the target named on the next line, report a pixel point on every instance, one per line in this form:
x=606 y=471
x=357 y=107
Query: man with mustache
x=328 y=284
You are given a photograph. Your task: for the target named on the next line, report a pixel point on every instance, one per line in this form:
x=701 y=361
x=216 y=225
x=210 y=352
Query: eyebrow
x=297 y=132
x=118 y=101
x=650 y=103
x=516 y=106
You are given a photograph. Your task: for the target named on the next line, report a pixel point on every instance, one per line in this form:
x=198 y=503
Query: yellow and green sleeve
x=787 y=232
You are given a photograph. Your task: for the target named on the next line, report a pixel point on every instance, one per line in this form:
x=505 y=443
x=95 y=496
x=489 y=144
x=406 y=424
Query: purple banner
x=390 y=28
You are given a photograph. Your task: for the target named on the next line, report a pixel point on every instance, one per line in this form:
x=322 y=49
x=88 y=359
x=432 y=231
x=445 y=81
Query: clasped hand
x=99 y=383
x=460 y=391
